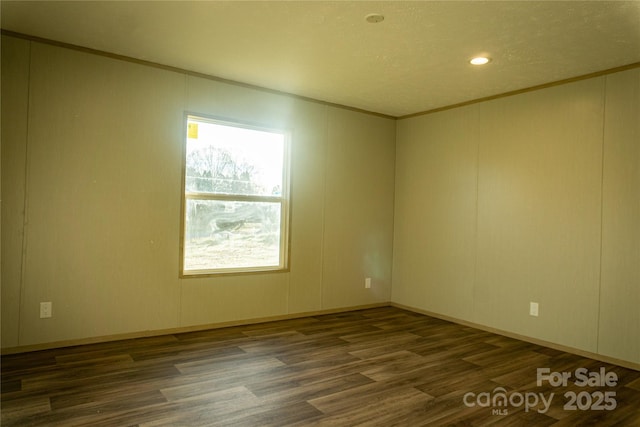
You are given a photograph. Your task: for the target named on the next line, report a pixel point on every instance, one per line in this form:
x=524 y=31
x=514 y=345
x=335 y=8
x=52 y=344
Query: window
x=236 y=198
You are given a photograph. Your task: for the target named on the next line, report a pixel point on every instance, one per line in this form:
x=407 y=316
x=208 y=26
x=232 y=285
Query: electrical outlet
x=45 y=310
x=533 y=309
x=367 y=283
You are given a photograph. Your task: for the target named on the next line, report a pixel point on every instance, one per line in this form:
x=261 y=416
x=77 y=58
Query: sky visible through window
x=261 y=150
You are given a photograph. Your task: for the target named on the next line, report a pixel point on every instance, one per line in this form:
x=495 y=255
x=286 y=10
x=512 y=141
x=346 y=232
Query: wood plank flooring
x=376 y=367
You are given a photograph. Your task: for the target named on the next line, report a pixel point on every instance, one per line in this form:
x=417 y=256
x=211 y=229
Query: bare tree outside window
x=235 y=205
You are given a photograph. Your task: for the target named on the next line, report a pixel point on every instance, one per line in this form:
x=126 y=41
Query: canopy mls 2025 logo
x=500 y=400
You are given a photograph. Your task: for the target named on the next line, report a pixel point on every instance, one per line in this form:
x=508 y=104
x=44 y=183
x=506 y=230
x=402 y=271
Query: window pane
x=233 y=160
x=223 y=234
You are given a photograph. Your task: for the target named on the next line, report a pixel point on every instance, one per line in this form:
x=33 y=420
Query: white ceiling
x=415 y=60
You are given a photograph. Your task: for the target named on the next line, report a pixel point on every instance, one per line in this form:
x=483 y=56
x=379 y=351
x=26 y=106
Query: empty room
x=296 y=213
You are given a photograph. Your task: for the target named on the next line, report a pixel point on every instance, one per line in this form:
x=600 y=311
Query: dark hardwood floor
x=378 y=367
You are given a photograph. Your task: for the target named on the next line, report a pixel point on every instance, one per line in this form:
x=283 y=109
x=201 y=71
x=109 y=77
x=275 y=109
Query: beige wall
x=435 y=218
x=619 y=325
x=92 y=147
x=359 y=196
x=532 y=197
x=15 y=69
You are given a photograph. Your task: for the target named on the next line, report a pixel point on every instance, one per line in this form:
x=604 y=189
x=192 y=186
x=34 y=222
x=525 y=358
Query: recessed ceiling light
x=480 y=60
x=374 y=18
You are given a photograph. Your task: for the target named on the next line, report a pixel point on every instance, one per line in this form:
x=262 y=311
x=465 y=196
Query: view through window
x=235 y=198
